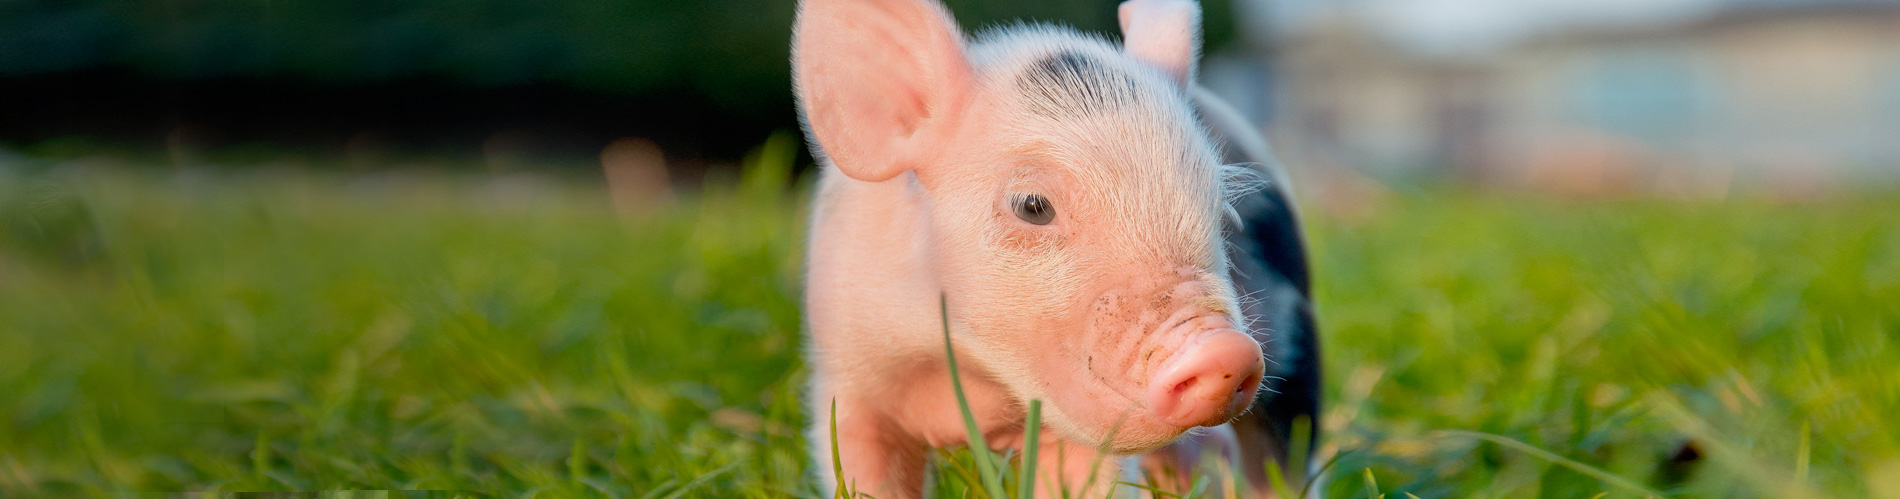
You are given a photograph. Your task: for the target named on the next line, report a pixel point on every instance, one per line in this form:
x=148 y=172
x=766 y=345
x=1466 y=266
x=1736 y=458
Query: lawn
x=271 y=328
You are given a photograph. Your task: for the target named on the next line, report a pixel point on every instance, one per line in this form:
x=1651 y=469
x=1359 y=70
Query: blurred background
x=1573 y=96
x=508 y=84
x=1690 y=97
x=556 y=246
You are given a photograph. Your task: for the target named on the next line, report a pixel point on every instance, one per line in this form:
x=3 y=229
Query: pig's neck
x=872 y=309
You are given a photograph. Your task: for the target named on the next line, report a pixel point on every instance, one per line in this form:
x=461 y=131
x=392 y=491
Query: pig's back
x=1270 y=270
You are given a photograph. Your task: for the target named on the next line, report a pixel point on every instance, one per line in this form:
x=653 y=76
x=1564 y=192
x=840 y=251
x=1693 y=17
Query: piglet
x=1091 y=220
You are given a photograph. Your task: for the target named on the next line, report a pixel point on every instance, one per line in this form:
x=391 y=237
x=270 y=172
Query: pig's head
x=1074 y=202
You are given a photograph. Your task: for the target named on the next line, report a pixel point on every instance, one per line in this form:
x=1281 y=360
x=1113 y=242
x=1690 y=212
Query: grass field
x=261 y=329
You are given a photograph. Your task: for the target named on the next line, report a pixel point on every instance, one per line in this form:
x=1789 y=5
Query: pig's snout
x=1208 y=381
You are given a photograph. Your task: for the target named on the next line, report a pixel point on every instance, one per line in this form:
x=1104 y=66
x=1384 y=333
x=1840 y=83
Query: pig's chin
x=1126 y=431
x=1089 y=410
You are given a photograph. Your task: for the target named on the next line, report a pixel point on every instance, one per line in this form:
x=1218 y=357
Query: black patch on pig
x=1270 y=268
x=1067 y=83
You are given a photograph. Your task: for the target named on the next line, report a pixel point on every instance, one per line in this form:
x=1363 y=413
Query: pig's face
x=1075 y=215
x=1078 y=240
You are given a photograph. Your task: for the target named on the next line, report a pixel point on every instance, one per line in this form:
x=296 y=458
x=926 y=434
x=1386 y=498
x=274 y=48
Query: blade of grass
x=701 y=480
x=837 y=463
x=1237 y=479
x=1276 y=479
x=1801 y=455
x=1749 y=468
x=979 y=449
x=1199 y=487
x=1308 y=486
x=662 y=488
x=1032 y=430
x=260 y=456
x=963 y=472
x=1101 y=453
x=1151 y=489
x=1299 y=443
x=1592 y=471
x=1297 y=454
x=577 y=461
x=1372 y=486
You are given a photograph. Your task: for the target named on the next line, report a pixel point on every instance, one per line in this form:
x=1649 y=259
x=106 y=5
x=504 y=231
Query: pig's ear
x=1164 y=33
x=878 y=80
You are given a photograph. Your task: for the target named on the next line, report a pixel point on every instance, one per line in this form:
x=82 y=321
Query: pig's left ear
x=1164 y=33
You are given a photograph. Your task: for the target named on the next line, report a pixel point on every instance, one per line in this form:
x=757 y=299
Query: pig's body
x=1271 y=270
x=1064 y=197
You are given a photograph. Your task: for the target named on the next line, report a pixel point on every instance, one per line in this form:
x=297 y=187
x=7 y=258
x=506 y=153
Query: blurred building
x=1796 y=93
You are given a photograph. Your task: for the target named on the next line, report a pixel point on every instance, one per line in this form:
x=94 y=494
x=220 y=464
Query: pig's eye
x=1035 y=209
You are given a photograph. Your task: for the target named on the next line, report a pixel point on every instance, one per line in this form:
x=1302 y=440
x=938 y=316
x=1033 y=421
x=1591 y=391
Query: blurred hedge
x=734 y=50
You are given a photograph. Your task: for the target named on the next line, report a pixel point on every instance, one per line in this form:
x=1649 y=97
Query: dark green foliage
x=733 y=51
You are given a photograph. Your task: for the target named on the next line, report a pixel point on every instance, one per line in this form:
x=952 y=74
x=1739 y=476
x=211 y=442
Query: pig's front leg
x=878 y=458
x=1065 y=468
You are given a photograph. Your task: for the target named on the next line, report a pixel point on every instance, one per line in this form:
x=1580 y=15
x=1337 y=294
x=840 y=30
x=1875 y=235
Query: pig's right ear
x=877 y=81
x=1164 y=33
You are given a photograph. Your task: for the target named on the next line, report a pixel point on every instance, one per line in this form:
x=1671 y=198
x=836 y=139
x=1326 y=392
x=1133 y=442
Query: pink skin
x=1117 y=313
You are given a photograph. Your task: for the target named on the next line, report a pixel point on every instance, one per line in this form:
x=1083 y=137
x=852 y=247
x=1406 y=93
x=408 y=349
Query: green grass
x=256 y=330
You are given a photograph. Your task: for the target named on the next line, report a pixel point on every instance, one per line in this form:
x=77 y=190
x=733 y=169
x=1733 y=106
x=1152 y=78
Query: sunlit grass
x=289 y=330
